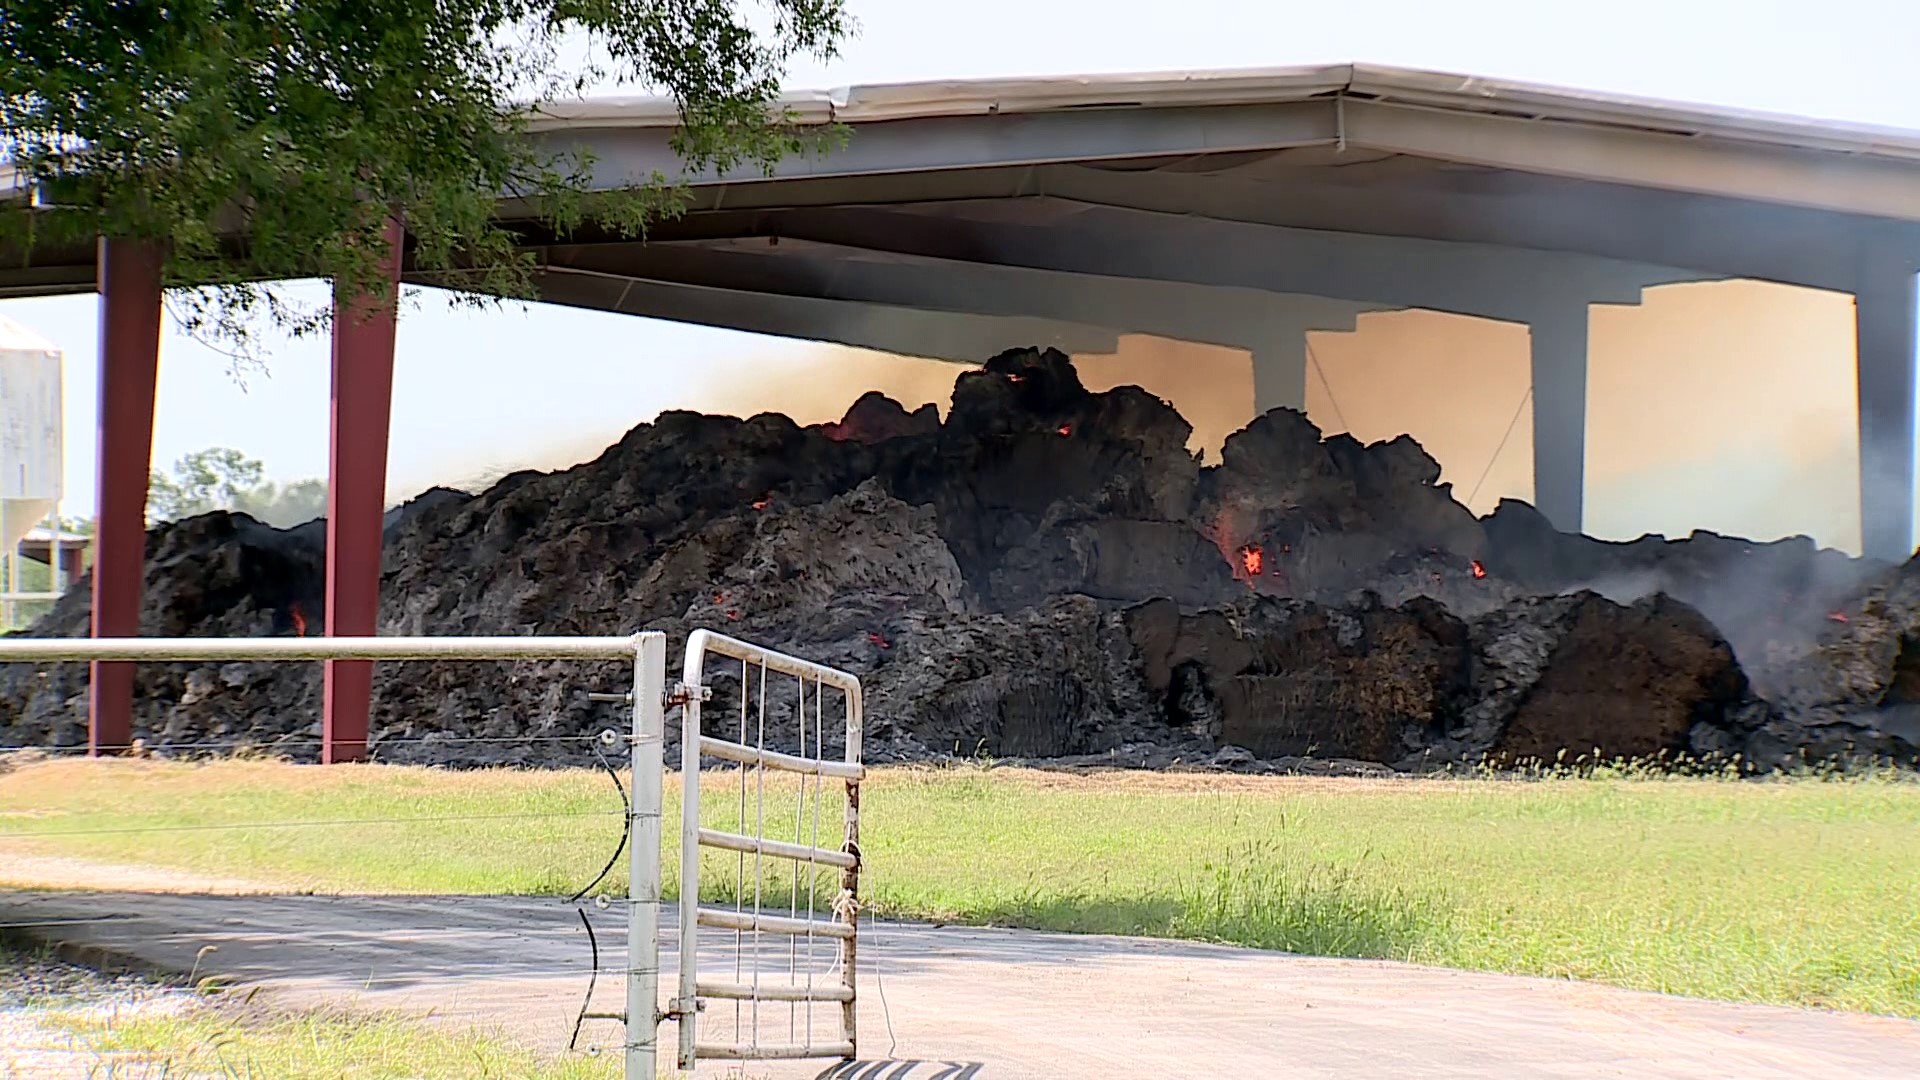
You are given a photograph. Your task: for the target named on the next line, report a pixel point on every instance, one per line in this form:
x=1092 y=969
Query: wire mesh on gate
x=770 y=855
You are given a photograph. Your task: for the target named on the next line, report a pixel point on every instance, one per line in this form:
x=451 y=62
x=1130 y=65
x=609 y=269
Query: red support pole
x=129 y=282
x=363 y=333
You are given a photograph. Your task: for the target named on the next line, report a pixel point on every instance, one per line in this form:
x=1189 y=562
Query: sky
x=480 y=392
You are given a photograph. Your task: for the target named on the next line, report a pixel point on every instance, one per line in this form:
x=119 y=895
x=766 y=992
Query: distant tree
x=271 y=139
x=295 y=504
x=225 y=479
x=201 y=482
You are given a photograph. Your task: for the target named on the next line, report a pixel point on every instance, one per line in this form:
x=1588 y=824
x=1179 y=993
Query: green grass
x=1801 y=892
x=208 y=1041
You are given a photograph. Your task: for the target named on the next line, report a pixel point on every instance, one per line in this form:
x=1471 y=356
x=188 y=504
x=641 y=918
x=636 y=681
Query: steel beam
x=1717 y=237
x=1218 y=316
x=130 y=281
x=936 y=335
x=1481 y=280
x=1884 y=317
x=363 y=340
x=1560 y=415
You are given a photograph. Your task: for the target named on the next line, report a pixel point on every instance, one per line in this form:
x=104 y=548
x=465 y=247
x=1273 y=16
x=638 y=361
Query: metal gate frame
x=648 y=652
x=844 y=926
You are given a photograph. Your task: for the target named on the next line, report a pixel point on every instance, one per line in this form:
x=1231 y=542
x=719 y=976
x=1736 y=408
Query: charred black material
x=1049 y=572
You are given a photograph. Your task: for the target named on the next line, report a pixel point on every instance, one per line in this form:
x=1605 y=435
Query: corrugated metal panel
x=30 y=432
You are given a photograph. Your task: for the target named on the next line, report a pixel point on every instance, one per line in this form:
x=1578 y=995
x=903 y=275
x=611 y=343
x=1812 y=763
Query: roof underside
x=1373 y=167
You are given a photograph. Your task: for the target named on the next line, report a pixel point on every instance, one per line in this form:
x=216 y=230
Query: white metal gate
x=751 y=998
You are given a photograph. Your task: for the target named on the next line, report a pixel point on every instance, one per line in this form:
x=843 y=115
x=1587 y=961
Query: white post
x=686 y=1006
x=643 y=859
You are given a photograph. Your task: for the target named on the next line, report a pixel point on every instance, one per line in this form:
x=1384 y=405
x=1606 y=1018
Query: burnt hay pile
x=1048 y=573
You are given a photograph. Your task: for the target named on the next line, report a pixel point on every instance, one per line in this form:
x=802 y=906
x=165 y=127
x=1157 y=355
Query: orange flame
x=299 y=620
x=761 y=504
x=1479 y=571
x=1066 y=429
x=1015 y=377
x=1252 y=560
x=1838 y=616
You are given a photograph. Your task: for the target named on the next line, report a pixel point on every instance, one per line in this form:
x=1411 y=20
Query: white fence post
x=643 y=859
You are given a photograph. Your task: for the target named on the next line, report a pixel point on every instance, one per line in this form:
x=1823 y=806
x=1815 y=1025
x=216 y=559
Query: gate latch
x=680 y=693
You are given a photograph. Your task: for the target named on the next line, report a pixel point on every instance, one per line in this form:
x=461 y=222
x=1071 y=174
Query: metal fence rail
x=748 y=920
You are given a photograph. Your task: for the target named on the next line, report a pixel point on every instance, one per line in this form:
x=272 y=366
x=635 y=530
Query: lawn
x=208 y=1040
x=1802 y=892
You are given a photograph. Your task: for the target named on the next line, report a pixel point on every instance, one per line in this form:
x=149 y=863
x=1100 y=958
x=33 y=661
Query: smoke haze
x=1726 y=406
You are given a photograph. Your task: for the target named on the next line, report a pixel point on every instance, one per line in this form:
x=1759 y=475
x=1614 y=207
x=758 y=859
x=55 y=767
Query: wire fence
x=811 y=890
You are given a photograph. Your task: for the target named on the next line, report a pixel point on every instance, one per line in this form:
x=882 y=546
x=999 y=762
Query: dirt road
x=1015 y=1004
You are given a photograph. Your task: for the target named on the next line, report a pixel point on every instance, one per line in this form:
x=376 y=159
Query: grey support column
x=1280 y=371
x=1560 y=415
x=1884 y=320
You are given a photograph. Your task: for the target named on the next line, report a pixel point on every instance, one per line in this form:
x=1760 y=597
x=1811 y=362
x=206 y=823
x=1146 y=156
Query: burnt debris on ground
x=1048 y=573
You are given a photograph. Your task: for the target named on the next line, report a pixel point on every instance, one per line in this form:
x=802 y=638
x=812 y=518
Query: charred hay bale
x=1030 y=469
x=215 y=575
x=1325 y=514
x=1587 y=676
x=1047 y=681
x=864 y=582
x=875 y=418
x=1853 y=690
x=1287 y=677
x=1773 y=600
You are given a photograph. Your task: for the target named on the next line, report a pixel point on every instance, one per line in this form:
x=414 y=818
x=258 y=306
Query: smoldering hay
x=1047 y=573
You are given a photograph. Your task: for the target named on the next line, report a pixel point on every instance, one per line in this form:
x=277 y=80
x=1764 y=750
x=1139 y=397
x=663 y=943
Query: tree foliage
x=225 y=479
x=272 y=139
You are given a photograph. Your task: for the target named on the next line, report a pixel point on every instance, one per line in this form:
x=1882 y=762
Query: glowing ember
x=877 y=640
x=1479 y=571
x=719 y=598
x=299 y=620
x=1066 y=429
x=1252 y=559
x=1838 y=616
x=732 y=615
x=761 y=504
x=1015 y=377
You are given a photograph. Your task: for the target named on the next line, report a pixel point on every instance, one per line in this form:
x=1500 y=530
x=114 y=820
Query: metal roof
x=1259 y=86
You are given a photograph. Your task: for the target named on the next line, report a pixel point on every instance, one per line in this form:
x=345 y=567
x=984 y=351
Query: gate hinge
x=681 y=693
x=677 y=1008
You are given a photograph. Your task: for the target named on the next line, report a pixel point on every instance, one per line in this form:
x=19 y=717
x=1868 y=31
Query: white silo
x=30 y=437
